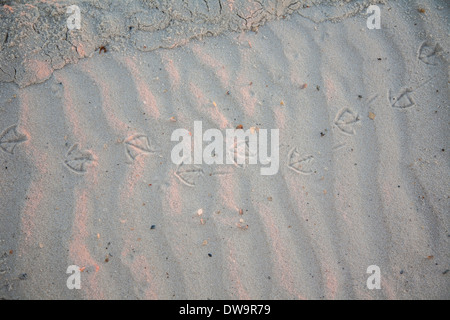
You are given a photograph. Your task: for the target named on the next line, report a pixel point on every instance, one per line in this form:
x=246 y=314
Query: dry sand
x=364 y=166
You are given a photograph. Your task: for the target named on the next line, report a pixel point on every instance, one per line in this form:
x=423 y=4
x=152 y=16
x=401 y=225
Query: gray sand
x=86 y=177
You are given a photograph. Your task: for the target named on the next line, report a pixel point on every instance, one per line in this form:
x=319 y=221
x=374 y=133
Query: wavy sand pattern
x=363 y=179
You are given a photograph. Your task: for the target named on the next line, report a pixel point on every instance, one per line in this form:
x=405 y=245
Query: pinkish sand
x=86 y=176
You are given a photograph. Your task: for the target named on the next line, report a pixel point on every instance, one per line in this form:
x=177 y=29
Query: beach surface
x=87 y=179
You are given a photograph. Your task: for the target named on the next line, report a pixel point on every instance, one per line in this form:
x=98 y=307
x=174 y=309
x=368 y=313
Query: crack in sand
x=33 y=26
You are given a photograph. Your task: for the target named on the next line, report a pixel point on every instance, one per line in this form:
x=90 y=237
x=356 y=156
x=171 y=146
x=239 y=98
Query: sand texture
x=86 y=176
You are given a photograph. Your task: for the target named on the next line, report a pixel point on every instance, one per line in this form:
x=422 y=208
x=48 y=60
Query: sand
x=86 y=176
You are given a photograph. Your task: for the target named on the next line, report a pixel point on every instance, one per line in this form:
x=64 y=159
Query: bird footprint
x=77 y=160
x=10 y=138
